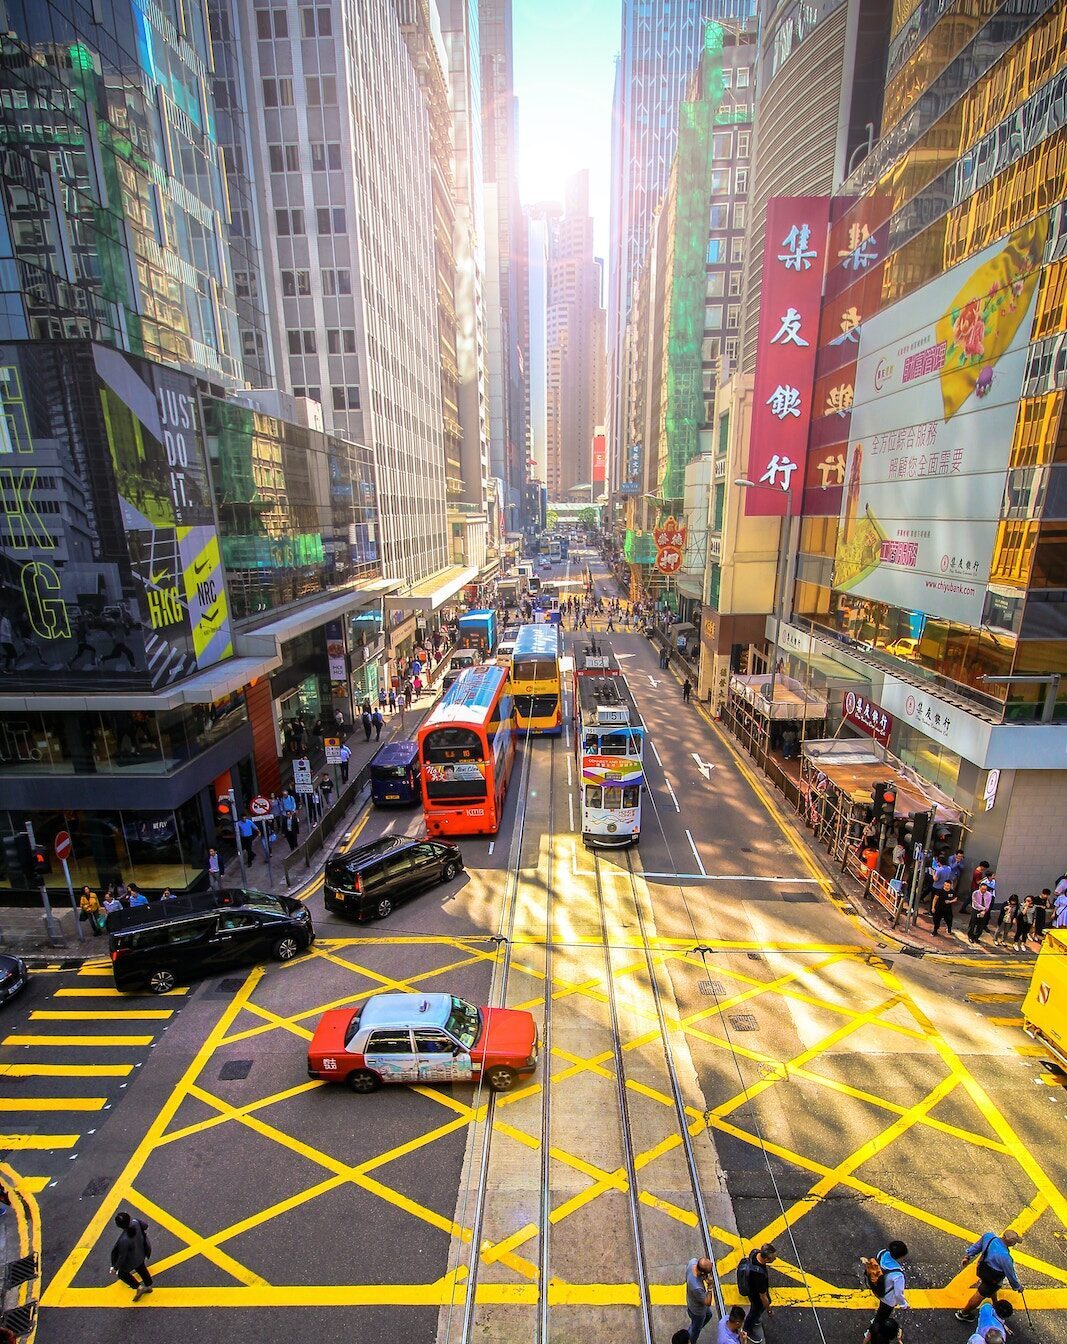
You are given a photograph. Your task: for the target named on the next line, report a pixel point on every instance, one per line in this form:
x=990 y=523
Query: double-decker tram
x=609 y=743
x=535 y=679
x=466 y=751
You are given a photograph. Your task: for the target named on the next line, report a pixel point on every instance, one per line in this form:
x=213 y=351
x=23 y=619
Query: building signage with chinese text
x=785 y=357
x=868 y=717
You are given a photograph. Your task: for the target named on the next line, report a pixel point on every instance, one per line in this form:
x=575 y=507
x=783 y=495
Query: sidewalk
x=22 y=930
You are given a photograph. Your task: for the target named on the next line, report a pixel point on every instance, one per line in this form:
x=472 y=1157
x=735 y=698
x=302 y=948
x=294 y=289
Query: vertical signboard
x=794 y=258
x=600 y=459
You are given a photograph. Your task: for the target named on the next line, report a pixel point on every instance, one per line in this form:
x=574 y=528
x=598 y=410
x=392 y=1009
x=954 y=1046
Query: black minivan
x=371 y=881
x=155 y=946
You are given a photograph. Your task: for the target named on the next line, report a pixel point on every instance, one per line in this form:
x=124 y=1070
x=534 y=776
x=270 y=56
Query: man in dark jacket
x=130 y=1253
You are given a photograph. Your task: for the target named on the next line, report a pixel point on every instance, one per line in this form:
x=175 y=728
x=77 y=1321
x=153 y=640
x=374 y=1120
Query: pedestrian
x=381 y=699
x=992 y=1322
x=137 y=896
x=409 y=691
x=275 y=814
x=994 y=1266
x=379 y=724
x=885 y=1278
x=214 y=869
x=416 y=685
x=166 y=894
x=112 y=904
x=131 y=1253
x=91 y=912
x=288 y=805
x=346 y=753
x=981 y=904
x=365 y=707
x=730 y=1327
x=753 y=1282
x=326 y=788
x=1059 y=920
x=687 y=690
x=1042 y=905
x=1023 y=920
x=246 y=833
x=699 y=1297
x=1009 y=914
x=292 y=830
x=339 y=719
x=942 y=906
x=980 y=873
x=365 y=719
x=392 y=699
x=401 y=702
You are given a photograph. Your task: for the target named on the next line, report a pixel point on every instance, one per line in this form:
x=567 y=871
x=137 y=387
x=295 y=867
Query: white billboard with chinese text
x=937 y=388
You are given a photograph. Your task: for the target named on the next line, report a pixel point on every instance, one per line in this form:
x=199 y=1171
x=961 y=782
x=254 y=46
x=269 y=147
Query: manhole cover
x=743 y=1022
x=96 y=1187
x=799 y=897
x=713 y=988
x=235 y=1068
x=908 y=951
x=18 y=1271
x=754 y=956
x=230 y=985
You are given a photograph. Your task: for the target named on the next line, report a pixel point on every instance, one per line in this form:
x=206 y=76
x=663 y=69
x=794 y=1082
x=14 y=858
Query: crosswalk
x=68 y=1049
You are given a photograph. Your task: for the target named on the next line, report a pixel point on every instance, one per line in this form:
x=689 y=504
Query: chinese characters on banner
x=868 y=717
x=670 y=542
x=785 y=357
x=600 y=458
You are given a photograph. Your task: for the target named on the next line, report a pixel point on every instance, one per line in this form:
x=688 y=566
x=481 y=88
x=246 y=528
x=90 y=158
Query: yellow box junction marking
x=249 y=1289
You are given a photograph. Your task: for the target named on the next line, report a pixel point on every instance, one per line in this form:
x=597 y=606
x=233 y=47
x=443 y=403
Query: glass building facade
x=113 y=211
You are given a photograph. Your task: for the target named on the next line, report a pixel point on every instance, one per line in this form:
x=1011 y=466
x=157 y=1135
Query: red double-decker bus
x=466 y=750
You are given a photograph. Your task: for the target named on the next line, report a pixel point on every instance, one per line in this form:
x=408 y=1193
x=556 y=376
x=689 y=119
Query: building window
x=336 y=282
x=733 y=315
x=716 y=251
x=713 y=317
x=277 y=93
x=714 y=285
x=331 y=220
x=316 y=22
x=341 y=340
x=301 y=341
x=722 y=145
x=741 y=111
x=719 y=217
x=740 y=212
x=741 y=81
x=289 y=222
x=325 y=156
x=321 y=90
x=731 y=350
x=737 y=250
x=346 y=398
x=720 y=181
x=741 y=180
x=272 y=23
x=296 y=283
x=284 y=158
x=312 y=393
x=743 y=138
x=736 y=281
x=727 y=77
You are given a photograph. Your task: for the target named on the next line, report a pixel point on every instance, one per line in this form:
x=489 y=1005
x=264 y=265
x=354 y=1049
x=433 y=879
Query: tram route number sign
x=302 y=775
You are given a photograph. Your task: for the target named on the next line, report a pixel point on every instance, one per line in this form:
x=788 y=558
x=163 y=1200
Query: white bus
x=609 y=745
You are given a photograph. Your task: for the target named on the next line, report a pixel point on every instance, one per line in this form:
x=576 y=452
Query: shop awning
x=791 y=700
x=690 y=585
x=682 y=628
x=433 y=592
x=855 y=765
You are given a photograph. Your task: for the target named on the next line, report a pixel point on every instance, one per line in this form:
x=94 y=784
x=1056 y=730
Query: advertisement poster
x=793 y=265
x=462 y=770
x=614 y=771
x=937 y=386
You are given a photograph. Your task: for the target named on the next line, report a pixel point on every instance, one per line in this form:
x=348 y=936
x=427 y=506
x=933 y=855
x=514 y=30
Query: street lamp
x=779 y=579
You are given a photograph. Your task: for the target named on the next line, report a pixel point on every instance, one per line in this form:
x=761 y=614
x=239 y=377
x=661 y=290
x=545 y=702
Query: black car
x=13 y=977
x=154 y=946
x=371 y=881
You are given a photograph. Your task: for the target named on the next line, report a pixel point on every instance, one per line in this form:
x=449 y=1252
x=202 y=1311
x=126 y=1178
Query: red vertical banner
x=793 y=263
x=600 y=458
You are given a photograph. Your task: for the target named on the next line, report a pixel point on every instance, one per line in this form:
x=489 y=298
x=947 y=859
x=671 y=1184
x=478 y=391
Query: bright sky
x=564 y=80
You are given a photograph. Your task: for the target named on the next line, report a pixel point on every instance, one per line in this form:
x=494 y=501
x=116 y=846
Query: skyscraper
x=661 y=43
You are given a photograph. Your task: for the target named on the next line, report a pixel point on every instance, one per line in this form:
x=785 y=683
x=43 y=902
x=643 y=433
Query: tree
x=588 y=517
x=552 y=520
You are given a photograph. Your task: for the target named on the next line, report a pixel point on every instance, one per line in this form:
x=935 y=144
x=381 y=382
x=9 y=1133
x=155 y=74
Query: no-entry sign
x=259 y=806
x=63 y=845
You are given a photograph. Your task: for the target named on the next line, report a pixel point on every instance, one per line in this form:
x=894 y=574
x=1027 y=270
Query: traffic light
x=889 y=803
x=39 y=861
x=18 y=857
x=917 y=830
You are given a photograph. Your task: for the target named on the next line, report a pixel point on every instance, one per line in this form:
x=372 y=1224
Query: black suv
x=371 y=881
x=157 y=945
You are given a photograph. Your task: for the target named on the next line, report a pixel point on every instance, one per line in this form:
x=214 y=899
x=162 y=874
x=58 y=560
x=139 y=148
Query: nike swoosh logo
x=158 y=578
x=199 y=569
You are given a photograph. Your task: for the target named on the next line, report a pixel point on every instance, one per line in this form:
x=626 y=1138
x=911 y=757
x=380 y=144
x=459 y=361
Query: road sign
x=62 y=845
x=302 y=775
x=259 y=806
x=333 y=750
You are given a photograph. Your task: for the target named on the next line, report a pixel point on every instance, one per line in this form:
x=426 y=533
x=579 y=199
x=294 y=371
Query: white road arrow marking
x=705 y=767
x=652 y=681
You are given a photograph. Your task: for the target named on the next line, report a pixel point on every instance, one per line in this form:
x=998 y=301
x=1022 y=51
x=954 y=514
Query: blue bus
x=477 y=630
x=395 y=777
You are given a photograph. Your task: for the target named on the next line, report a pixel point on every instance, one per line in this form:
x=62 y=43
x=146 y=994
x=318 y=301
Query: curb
x=25 y=1295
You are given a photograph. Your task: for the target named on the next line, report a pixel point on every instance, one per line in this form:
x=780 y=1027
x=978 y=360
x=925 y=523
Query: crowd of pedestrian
x=954 y=889
x=885 y=1277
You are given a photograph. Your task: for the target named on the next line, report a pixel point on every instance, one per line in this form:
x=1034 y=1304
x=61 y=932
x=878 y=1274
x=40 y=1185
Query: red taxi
x=422 y=1038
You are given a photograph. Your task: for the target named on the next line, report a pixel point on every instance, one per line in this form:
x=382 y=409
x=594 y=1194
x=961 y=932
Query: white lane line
x=693 y=847
x=570 y=777
x=570 y=809
x=736 y=877
x=671 y=792
x=654 y=751
x=492 y=846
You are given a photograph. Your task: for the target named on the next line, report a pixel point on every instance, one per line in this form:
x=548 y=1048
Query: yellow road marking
x=22 y=1191
x=111 y=1041
x=65 y=1070
x=197 y=1244
x=103 y=1015
x=36 y=1184
x=109 y=993
x=994 y=998
x=53 y=1104
x=1005 y=1021
x=40 y=1141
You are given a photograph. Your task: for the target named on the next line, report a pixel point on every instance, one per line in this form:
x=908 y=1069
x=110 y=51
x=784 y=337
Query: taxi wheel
x=501 y=1078
x=363 y=1081
x=161 y=982
x=285 y=949
x=449 y=871
x=385 y=909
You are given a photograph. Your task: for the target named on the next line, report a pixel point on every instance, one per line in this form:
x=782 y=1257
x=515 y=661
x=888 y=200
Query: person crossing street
x=995 y=1265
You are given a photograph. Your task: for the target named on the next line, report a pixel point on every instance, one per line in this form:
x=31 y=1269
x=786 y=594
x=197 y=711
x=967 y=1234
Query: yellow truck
x=1045 y=1005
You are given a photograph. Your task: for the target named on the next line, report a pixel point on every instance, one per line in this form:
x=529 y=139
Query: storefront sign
x=944 y=723
x=868 y=717
x=937 y=390
x=785 y=357
x=335 y=655
x=992 y=783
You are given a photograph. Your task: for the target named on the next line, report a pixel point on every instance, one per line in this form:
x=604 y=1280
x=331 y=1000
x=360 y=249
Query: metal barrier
x=324 y=827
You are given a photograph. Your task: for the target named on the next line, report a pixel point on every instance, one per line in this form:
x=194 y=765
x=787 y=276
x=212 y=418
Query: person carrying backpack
x=884 y=1275
x=130 y=1254
x=753 y=1283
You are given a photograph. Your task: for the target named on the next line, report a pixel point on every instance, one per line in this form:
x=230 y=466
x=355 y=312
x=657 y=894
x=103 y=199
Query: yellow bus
x=1045 y=1005
x=535 y=680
